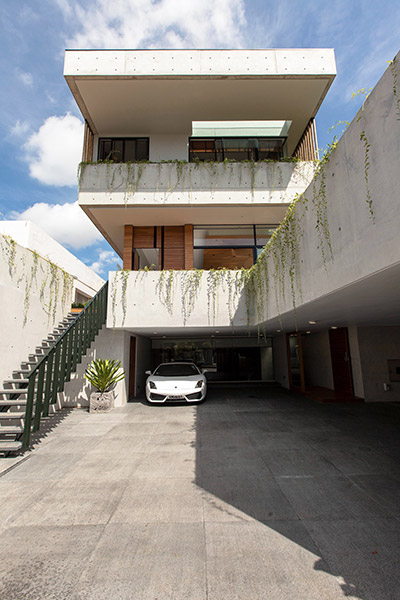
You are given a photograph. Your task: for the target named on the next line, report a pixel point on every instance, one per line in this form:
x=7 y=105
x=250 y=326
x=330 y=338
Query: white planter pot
x=101 y=401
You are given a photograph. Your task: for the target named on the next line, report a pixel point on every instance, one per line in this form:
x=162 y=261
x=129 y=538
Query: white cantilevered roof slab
x=142 y=92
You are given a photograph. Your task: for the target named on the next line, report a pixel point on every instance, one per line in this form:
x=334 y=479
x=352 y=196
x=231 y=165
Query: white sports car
x=176 y=382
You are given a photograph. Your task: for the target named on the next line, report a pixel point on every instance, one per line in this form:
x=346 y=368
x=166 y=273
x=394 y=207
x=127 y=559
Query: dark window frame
x=102 y=140
x=219 y=153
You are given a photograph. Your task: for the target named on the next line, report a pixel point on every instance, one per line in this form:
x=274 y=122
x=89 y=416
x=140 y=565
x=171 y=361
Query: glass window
x=146 y=257
x=222 y=236
x=263 y=234
x=123 y=149
x=239 y=148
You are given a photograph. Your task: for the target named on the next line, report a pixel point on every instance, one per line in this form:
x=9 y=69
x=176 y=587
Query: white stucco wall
x=35 y=296
x=30 y=236
x=378 y=345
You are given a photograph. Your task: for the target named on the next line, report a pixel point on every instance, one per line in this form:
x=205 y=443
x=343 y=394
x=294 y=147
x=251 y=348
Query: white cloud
x=66 y=223
x=26 y=78
x=162 y=24
x=20 y=129
x=54 y=151
x=106 y=258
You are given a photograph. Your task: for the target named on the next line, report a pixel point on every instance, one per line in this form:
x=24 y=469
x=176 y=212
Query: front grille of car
x=195 y=396
x=154 y=396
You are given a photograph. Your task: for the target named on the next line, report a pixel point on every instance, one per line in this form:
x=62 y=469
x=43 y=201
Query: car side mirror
x=147 y=372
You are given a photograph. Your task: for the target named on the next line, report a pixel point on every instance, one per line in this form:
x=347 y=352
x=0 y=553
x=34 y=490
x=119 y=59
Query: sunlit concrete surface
x=256 y=494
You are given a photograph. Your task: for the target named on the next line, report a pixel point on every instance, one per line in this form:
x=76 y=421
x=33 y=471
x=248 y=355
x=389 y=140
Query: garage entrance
x=221 y=358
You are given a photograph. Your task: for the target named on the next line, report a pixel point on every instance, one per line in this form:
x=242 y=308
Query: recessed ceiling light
x=217 y=332
x=308 y=331
x=278 y=330
x=155 y=332
x=213 y=336
x=333 y=327
x=164 y=336
x=312 y=322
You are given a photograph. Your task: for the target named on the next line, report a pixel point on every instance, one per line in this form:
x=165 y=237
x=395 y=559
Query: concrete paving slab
x=163 y=561
x=168 y=500
x=70 y=503
x=282 y=440
x=300 y=462
x=168 y=464
x=358 y=459
x=103 y=468
x=328 y=497
x=363 y=553
x=17 y=496
x=383 y=489
x=252 y=560
x=44 y=562
x=40 y=467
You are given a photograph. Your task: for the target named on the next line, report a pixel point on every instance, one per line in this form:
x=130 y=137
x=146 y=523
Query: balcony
x=180 y=184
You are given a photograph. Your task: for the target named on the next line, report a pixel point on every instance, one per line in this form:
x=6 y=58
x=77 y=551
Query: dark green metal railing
x=49 y=376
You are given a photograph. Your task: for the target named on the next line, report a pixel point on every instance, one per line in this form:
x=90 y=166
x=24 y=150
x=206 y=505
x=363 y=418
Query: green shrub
x=103 y=374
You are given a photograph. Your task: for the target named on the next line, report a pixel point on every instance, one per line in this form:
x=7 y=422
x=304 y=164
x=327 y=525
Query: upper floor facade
x=193 y=138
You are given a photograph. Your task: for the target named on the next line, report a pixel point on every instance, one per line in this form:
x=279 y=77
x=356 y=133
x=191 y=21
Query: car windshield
x=176 y=370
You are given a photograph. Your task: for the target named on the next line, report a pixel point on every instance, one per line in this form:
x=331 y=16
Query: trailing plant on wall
x=26 y=277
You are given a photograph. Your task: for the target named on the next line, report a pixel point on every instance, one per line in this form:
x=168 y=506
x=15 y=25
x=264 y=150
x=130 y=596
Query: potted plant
x=103 y=375
x=77 y=307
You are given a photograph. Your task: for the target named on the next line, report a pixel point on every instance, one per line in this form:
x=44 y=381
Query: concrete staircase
x=13 y=395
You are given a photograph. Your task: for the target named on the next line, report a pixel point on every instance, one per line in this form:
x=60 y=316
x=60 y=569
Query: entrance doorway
x=132 y=368
x=295 y=362
x=341 y=365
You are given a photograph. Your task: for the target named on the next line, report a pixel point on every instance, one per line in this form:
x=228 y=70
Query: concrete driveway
x=256 y=494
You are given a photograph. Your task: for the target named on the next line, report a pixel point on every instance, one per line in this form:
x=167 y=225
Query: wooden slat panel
x=174 y=258
x=128 y=247
x=306 y=148
x=174 y=237
x=87 y=152
x=143 y=237
x=231 y=258
x=158 y=241
x=188 y=247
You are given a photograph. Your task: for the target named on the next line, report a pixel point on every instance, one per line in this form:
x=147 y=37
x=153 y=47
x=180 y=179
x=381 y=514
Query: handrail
x=50 y=374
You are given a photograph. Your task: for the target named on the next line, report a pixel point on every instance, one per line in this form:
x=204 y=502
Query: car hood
x=173 y=381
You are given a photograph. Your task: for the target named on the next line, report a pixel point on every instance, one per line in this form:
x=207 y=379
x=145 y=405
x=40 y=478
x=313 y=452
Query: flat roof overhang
x=110 y=220
x=144 y=92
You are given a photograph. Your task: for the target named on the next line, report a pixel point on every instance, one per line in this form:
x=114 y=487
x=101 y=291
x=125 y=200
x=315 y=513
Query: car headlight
x=153 y=385
x=199 y=384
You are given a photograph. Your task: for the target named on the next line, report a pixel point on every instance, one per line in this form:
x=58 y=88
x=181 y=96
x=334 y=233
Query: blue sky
x=40 y=126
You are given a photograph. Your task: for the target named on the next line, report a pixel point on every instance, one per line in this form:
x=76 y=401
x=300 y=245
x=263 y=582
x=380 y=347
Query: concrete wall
x=35 y=295
x=317 y=359
x=281 y=372
x=108 y=344
x=378 y=345
x=194 y=184
x=137 y=300
x=30 y=236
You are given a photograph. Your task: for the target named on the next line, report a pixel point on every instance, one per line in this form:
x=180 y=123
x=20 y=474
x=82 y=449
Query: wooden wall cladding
x=174 y=237
x=128 y=247
x=143 y=237
x=188 y=246
x=174 y=258
x=174 y=247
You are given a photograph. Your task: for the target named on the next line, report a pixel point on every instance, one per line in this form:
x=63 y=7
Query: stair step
x=11 y=415
x=10 y=446
x=16 y=380
x=15 y=391
x=12 y=403
x=10 y=430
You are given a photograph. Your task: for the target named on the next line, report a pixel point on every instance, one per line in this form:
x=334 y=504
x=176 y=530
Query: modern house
x=241 y=250
x=191 y=159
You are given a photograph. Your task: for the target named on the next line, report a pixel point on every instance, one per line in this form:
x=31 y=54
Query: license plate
x=176 y=397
